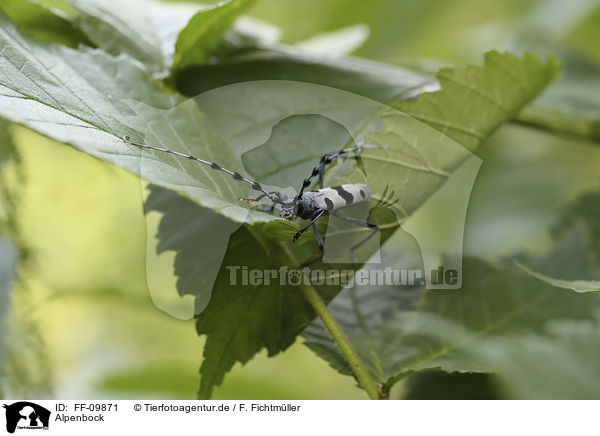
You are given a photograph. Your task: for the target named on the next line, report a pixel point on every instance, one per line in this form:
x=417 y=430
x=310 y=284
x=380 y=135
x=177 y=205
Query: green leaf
x=268 y=316
x=498 y=90
x=422 y=155
x=526 y=366
x=230 y=130
x=184 y=228
x=43 y=22
x=561 y=121
x=587 y=210
x=395 y=340
x=148 y=30
x=205 y=31
x=49 y=101
x=248 y=31
x=439 y=385
x=575 y=285
x=370 y=79
x=571 y=105
x=474 y=101
x=381 y=322
x=145 y=30
x=337 y=43
x=586 y=30
x=584 y=213
x=396 y=337
x=274 y=164
x=72 y=96
x=241 y=320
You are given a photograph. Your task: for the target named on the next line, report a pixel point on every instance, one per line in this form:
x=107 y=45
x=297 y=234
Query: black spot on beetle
x=363 y=194
x=348 y=198
x=329 y=204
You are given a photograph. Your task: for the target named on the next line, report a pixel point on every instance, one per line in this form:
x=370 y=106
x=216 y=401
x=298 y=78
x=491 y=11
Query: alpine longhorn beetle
x=310 y=205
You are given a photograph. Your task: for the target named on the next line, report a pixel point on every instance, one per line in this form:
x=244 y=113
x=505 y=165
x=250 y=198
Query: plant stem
x=553 y=120
x=315 y=300
x=277 y=250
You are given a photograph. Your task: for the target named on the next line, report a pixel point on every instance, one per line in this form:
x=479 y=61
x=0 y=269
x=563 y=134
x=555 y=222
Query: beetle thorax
x=306 y=206
x=303 y=207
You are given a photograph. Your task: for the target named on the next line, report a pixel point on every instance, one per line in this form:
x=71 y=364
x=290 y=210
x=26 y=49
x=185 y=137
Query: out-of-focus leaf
x=248 y=31
x=395 y=337
x=520 y=190
x=584 y=214
x=378 y=81
x=587 y=211
x=394 y=341
x=527 y=365
x=587 y=30
x=172 y=379
x=575 y=285
x=439 y=385
x=43 y=22
x=571 y=105
x=338 y=43
x=553 y=119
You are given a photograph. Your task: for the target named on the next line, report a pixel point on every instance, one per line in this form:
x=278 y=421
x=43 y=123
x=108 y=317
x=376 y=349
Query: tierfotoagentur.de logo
x=244 y=276
x=26 y=416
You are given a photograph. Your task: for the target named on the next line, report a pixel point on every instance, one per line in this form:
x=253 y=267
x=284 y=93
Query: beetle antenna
x=237 y=176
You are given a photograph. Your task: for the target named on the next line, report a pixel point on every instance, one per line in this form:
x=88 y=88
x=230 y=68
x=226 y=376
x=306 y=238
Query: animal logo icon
x=26 y=415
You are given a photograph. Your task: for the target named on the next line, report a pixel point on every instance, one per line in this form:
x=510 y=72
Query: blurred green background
x=86 y=325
